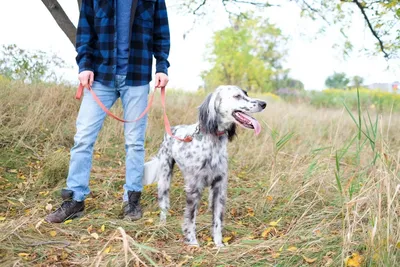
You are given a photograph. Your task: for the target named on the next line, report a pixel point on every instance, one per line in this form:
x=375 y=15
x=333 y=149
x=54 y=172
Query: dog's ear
x=231 y=131
x=208 y=115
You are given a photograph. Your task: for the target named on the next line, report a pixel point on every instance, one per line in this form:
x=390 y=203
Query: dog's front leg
x=218 y=189
x=193 y=196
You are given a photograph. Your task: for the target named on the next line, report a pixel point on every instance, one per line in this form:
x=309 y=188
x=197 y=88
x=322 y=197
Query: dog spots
x=216 y=180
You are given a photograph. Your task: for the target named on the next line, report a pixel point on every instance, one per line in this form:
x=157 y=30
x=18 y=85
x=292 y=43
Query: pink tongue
x=254 y=122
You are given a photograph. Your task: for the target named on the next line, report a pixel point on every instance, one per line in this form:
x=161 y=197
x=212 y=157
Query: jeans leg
x=134 y=101
x=88 y=124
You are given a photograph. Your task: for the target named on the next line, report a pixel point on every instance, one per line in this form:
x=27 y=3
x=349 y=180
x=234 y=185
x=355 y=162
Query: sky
x=28 y=24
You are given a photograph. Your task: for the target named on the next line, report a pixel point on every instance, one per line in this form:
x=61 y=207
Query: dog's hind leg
x=165 y=175
x=218 y=189
x=193 y=195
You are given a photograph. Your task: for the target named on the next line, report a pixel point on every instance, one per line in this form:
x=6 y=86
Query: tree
x=380 y=16
x=28 y=66
x=357 y=81
x=337 y=81
x=249 y=54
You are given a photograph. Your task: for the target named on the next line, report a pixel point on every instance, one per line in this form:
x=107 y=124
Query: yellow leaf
x=68 y=221
x=292 y=249
x=281 y=248
x=275 y=255
x=103 y=228
x=44 y=193
x=90 y=229
x=95 y=235
x=398 y=245
x=53 y=233
x=308 y=260
x=273 y=224
x=354 y=260
x=2 y=218
x=226 y=239
x=107 y=250
x=24 y=255
x=266 y=232
x=12 y=171
x=64 y=255
x=149 y=221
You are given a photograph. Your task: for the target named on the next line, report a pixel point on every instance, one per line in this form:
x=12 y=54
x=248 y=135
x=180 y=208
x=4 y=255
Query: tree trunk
x=62 y=19
x=79 y=5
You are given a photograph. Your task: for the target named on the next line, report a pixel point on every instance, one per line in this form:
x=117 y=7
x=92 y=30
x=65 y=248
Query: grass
x=317 y=187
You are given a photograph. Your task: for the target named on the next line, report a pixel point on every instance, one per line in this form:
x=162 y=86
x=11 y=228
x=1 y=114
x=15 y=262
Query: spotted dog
x=204 y=160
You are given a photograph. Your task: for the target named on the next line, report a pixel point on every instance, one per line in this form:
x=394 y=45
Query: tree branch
x=200 y=6
x=374 y=33
x=79 y=4
x=62 y=19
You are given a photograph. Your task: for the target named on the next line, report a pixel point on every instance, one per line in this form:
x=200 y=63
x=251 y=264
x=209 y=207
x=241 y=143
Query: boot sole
x=74 y=216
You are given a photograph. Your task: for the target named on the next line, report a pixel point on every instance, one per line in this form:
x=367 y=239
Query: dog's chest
x=202 y=154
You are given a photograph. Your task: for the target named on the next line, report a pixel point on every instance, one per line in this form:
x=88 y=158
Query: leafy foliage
x=337 y=80
x=249 y=54
x=28 y=66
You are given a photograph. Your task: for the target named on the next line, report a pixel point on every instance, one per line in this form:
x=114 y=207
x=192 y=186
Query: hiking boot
x=69 y=209
x=132 y=208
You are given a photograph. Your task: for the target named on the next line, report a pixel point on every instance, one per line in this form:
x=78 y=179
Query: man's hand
x=161 y=80
x=86 y=78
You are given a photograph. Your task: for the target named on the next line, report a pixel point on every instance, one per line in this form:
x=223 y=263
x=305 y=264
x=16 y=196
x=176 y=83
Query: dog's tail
x=151 y=171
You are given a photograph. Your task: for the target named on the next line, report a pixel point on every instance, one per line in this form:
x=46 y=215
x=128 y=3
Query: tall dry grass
x=312 y=189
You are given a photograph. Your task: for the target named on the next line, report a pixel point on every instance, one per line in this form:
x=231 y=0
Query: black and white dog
x=204 y=161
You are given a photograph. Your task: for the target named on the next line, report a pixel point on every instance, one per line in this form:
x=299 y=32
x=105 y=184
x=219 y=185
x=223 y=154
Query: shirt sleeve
x=85 y=37
x=161 y=37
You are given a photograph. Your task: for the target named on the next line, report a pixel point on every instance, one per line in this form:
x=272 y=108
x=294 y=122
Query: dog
x=203 y=161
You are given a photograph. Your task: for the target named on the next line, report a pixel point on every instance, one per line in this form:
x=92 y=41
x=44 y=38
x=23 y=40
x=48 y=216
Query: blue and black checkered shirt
x=96 y=41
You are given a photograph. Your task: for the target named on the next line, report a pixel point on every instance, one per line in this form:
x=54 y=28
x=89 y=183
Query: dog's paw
x=219 y=245
x=192 y=243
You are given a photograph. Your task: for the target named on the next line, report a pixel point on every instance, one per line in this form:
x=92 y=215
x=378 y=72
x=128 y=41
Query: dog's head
x=227 y=106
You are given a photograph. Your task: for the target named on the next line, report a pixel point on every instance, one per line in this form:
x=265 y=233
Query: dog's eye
x=237 y=96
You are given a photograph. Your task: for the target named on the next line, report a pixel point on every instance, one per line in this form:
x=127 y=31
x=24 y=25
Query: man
x=114 y=55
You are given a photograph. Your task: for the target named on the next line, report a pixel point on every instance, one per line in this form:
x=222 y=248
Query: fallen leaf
x=226 y=239
x=269 y=198
x=354 y=260
x=103 y=228
x=309 y=260
x=49 y=207
x=24 y=255
x=12 y=171
x=398 y=245
x=107 y=250
x=292 y=249
x=44 y=193
x=273 y=224
x=68 y=221
x=53 y=233
x=266 y=232
x=64 y=255
x=149 y=221
x=275 y=255
x=21 y=199
x=2 y=218
x=90 y=229
x=95 y=235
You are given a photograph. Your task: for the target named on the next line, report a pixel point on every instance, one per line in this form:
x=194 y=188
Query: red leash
x=79 y=93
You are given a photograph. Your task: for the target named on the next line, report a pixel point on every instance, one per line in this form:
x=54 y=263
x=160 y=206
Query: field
x=318 y=187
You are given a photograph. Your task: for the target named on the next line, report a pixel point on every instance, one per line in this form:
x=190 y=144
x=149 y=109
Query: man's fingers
x=91 y=78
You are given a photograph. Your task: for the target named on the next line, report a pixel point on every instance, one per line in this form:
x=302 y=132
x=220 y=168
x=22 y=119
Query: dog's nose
x=262 y=104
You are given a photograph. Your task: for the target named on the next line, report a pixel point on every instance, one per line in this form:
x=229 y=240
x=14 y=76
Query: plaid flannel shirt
x=96 y=41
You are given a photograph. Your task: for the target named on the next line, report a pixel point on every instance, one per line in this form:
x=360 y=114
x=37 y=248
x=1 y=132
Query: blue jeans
x=90 y=121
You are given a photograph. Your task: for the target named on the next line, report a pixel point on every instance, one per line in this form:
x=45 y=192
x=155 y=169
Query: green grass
x=316 y=184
